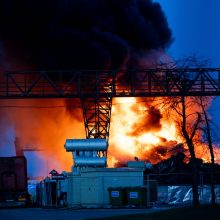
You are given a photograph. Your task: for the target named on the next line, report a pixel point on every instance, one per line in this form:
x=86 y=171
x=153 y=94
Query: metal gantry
x=97 y=88
x=96 y=108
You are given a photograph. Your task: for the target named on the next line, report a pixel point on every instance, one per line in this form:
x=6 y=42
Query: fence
x=175 y=188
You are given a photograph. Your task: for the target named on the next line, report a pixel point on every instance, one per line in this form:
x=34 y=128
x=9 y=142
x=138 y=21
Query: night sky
x=195 y=26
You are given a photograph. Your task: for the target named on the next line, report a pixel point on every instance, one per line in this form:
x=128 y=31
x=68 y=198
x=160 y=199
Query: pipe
x=90 y=161
x=86 y=145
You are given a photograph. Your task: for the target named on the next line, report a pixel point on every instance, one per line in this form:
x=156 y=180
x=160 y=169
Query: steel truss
x=96 y=109
x=97 y=88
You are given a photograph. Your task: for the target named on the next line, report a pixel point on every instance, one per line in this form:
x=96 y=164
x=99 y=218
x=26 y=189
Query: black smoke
x=79 y=34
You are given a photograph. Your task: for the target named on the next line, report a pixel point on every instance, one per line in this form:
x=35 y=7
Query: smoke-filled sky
x=95 y=34
x=80 y=34
x=71 y=34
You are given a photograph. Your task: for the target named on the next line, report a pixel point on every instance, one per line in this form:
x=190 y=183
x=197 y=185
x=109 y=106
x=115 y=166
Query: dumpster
x=153 y=190
x=137 y=196
x=117 y=196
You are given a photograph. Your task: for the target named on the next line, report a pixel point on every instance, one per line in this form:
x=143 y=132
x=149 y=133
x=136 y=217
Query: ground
x=165 y=213
x=67 y=214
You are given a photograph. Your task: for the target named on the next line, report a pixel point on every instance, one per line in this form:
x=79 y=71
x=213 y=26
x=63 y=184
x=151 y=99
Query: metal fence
x=179 y=192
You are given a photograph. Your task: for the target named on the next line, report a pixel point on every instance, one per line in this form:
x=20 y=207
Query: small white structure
x=89 y=180
x=52 y=192
x=88 y=187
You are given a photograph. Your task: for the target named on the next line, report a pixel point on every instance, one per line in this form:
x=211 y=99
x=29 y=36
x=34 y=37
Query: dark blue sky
x=196 y=28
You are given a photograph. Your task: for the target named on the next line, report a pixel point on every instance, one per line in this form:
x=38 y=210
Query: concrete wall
x=89 y=186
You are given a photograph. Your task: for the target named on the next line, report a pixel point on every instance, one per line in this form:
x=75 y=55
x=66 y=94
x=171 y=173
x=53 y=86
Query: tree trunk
x=209 y=139
x=194 y=170
x=212 y=178
x=193 y=161
x=195 y=183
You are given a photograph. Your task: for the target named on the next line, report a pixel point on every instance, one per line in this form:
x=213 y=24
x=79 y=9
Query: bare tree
x=207 y=131
x=188 y=122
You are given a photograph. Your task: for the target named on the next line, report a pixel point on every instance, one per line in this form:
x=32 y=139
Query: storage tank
x=86 y=145
x=90 y=161
x=88 y=152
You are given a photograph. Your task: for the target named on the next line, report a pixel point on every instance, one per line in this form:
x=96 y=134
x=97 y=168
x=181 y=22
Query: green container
x=117 y=196
x=153 y=190
x=137 y=196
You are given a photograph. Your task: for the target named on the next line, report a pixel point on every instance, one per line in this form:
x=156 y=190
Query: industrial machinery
x=88 y=152
x=89 y=180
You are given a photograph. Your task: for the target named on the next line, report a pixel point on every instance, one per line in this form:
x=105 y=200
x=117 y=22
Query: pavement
x=68 y=214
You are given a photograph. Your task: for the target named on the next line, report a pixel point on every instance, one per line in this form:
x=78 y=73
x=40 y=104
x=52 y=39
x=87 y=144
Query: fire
x=144 y=129
x=138 y=129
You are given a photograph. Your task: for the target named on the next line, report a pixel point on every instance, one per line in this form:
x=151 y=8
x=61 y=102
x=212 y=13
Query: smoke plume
x=81 y=34
x=73 y=34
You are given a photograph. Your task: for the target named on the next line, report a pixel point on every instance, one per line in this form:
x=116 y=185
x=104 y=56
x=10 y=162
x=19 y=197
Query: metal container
x=13 y=181
x=86 y=145
x=117 y=196
x=13 y=174
x=137 y=196
x=90 y=161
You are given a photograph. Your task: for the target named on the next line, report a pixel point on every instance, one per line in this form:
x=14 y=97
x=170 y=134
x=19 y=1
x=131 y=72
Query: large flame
x=144 y=129
x=139 y=130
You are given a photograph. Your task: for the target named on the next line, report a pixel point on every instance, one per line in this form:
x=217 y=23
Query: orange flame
x=45 y=125
x=140 y=130
x=137 y=129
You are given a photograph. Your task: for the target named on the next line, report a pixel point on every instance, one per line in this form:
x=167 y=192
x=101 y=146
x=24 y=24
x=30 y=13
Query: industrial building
x=92 y=184
x=89 y=182
x=89 y=174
